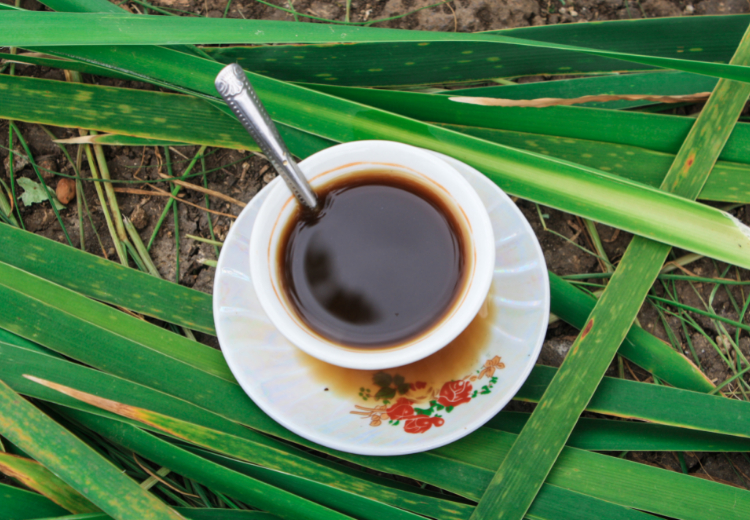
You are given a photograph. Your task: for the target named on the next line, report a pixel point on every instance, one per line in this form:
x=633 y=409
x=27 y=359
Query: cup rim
x=335 y=162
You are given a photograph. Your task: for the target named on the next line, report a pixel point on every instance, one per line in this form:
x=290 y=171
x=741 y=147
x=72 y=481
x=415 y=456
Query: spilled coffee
x=380 y=263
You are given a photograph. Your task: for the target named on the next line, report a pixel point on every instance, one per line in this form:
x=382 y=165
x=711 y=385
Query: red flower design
x=454 y=393
x=401 y=410
x=418 y=385
x=422 y=423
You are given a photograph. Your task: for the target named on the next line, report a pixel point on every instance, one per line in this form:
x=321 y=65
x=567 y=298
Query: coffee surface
x=380 y=263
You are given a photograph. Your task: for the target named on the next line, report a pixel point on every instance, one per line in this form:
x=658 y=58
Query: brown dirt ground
x=250 y=173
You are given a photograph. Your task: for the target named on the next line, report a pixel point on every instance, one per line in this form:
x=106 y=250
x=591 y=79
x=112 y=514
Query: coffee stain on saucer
x=417 y=381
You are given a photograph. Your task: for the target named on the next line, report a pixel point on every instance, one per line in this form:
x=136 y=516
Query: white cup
x=347 y=160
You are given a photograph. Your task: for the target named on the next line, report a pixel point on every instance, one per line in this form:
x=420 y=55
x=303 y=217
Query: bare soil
x=242 y=175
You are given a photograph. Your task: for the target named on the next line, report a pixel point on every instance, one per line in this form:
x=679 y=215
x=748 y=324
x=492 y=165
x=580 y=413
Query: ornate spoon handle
x=237 y=92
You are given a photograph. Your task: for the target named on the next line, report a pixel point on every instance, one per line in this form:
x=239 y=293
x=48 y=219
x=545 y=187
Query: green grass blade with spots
x=728 y=182
x=360 y=504
x=642 y=348
x=76 y=463
x=555 y=183
x=657 y=132
x=709 y=38
x=35 y=476
x=106 y=281
x=438 y=468
x=19 y=504
x=154 y=115
x=662 y=83
x=616 y=435
x=534 y=453
x=629 y=484
x=32 y=28
x=110 y=282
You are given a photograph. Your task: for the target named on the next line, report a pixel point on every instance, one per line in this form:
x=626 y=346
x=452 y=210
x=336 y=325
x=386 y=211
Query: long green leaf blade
x=30 y=28
x=19 y=504
x=106 y=281
x=563 y=185
x=611 y=435
x=532 y=456
x=65 y=455
x=35 y=476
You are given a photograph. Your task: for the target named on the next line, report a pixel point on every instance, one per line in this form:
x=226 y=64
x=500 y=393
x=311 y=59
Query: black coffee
x=380 y=263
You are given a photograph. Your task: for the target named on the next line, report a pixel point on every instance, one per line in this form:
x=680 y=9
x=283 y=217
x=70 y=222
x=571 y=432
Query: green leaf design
x=386 y=393
x=382 y=379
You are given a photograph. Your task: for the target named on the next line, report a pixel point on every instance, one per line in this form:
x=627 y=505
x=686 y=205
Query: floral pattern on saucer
x=404 y=409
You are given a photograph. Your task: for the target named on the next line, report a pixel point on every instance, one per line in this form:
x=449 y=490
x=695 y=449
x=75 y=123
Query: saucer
x=402 y=410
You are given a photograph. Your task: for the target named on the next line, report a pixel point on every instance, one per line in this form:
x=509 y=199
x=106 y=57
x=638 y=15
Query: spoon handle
x=234 y=87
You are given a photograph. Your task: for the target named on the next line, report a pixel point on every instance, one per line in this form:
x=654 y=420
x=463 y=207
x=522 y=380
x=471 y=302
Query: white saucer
x=402 y=410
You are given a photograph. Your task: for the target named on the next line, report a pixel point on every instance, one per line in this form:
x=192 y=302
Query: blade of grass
x=451 y=62
x=119 y=248
x=639 y=346
x=657 y=132
x=104 y=325
x=35 y=476
x=19 y=504
x=107 y=281
x=101 y=482
x=32 y=28
x=664 y=83
x=727 y=182
x=311 y=487
x=187 y=512
x=170 y=202
x=617 y=435
x=440 y=471
x=523 y=174
x=665 y=37
x=708 y=495
x=524 y=470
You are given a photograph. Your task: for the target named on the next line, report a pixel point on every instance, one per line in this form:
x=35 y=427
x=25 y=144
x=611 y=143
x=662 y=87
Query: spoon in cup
x=235 y=89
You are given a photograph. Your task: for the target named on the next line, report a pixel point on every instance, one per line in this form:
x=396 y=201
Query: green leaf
x=526 y=467
x=618 y=435
x=728 y=182
x=187 y=512
x=19 y=504
x=382 y=379
x=710 y=38
x=34 y=193
x=313 y=481
x=30 y=28
x=626 y=398
x=386 y=393
x=644 y=349
x=106 y=281
x=76 y=463
x=630 y=206
x=662 y=83
x=35 y=476
x=657 y=132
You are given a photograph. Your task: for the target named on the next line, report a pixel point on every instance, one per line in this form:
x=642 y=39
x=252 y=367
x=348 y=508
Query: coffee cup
x=350 y=162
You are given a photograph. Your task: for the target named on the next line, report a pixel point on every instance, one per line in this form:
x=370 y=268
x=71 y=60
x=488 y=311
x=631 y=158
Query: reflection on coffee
x=381 y=263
